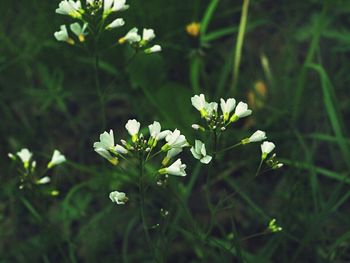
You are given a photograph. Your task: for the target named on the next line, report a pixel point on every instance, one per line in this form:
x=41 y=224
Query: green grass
x=48 y=100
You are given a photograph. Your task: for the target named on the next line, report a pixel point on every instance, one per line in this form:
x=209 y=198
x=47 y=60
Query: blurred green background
x=294 y=72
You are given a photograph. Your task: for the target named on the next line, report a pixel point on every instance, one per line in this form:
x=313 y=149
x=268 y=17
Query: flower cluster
x=216 y=120
x=144 y=149
x=29 y=175
x=273 y=227
x=104 y=10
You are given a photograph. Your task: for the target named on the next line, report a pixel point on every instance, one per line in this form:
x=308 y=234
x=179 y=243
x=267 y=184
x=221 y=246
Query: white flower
x=199 y=152
x=148 y=35
x=120 y=149
x=266 y=148
x=79 y=31
x=71 y=8
x=106 y=141
x=131 y=37
x=171 y=154
x=227 y=107
x=62 y=35
x=255 y=137
x=105 y=145
x=174 y=140
x=119 y=5
x=57 y=158
x=116 y=23
x=177 y=168
x=133 y=127
x=25 y=155
x=211 y=108
x=241 y=111
x=118 y=197
x=198 y=101
x=155 y=131
x=44 y=180
x=153 y=49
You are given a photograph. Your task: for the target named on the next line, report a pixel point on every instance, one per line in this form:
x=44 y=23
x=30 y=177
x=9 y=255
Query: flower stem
x=229 y=148
x=96 y=61
x=142 y=207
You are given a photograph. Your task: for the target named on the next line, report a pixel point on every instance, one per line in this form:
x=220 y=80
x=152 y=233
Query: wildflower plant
x=30 y=176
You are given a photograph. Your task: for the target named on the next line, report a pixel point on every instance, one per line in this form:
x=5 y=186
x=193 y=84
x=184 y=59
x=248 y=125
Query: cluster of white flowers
x=142 y=148
x=29 y=165
x=215 y=120
x=133 y=38
x=104 y=8
x=218 y=121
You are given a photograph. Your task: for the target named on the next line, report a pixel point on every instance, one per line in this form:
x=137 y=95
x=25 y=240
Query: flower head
x=44 y=180
x=116 y=23
x=57 y=158
x=113 y=6
x=266 y=148
x=199 y=152
x=241 y=111
x=156 y=134
x=133 y=127
x=177 y=168
x=148 y=35
x=79 y=31
x=153 y=49
x=255 y=137
x=118 y=197
x=273 y=227
x=171 y=154
x=105 y=146
x=211 y=108
x=62 y=35
x=25 y=155
x=174 y=140
x=193 y=29
x=227 y=107
x=71 y=8
x=198 y=101
x=131 y=37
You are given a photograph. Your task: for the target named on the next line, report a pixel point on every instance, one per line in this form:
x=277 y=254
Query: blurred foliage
x=298 y=49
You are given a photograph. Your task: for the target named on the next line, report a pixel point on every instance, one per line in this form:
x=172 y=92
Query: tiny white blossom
x=227 y=107
x=155 y=131
x=148 y=35
x=174 y=140
x=119 y=5
x=118 y=197
x=44 y=180
x=266 y=148
x=79 y=31
x=57 y=158
x=105 y=145
x=211 y=108
x=177 y=168
x=120 y=149
x=198 y=101
x=62 y=35
x=153 y=49
x=133 y=128
x=240 y=111
x=70 y=8
x=257 y=136
x=11 y=156
x=116 y=23
x=25 y=155
x=199 y=152
x=171 y=154
x=131 y=37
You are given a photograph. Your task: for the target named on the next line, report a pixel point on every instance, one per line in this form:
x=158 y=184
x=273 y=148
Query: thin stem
x=98 y=86
x=259 y=168
x=266 y=232
x=230 y=147
x=142 y=207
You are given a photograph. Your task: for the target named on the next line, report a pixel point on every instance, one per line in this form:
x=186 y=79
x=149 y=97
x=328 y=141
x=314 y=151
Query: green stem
x=239 y=45
x=98 y=87
x=230 y=147
x=142 y=207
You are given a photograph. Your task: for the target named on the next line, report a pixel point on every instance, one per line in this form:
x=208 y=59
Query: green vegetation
x=287 y=60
